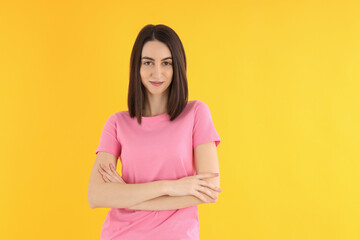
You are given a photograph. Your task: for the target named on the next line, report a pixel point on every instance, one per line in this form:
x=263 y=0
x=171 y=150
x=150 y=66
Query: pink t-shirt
x=158 y=149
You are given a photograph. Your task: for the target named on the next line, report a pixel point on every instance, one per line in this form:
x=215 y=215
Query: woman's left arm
x=170 y=203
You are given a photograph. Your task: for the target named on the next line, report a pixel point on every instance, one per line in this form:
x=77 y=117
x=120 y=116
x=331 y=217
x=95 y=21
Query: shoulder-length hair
x=178 y=92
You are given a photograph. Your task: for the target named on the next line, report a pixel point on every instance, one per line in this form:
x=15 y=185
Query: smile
x=156 y=83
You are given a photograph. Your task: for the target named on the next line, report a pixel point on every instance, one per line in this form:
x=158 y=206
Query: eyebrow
x=154 y=59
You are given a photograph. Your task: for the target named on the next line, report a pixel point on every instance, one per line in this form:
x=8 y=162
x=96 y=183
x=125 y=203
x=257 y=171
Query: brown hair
x=178 y=89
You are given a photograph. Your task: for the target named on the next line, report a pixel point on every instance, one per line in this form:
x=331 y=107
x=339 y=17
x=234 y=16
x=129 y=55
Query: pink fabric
x=156 y=150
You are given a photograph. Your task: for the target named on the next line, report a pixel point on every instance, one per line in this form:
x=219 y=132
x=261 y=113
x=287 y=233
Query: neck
x=155 y=105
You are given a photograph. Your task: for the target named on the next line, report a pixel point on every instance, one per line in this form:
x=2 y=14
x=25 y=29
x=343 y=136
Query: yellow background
x=281 y=79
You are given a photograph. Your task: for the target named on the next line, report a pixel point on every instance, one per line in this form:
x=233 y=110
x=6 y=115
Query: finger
x=106 y=179
x=108 y=174
x=102 y=175
x=112 y=177
x=206 y=191
x=103 y=167
x=116 y=174
x=212 y=200
x=102 y=172
x=200 y=196
x=209 y=185
x=206 y=175
x=206 y=198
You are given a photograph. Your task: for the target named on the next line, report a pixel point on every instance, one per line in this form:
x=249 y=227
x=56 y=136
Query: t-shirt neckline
x=157 y=117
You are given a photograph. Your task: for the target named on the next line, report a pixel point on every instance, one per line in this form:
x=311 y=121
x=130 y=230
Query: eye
x=166 y=63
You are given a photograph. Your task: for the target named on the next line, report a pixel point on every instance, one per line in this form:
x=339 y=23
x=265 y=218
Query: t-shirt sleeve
x=204 y=129
x=108 y=139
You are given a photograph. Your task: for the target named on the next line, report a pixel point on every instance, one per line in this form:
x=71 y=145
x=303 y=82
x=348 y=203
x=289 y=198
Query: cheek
x=144 y=73
x=169 y=73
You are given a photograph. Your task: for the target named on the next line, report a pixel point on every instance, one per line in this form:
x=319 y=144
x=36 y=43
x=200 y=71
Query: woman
x=163 y=140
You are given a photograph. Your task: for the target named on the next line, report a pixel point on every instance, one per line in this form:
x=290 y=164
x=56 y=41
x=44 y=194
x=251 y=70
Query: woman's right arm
x=103 y=194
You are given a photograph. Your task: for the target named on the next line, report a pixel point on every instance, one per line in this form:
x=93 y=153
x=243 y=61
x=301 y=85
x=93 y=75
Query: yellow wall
x=281 y=79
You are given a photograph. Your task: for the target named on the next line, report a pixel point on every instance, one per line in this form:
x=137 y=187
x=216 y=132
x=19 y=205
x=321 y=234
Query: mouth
x=156 y=83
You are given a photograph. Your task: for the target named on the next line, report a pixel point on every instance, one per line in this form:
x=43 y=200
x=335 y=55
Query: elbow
x=92 y=205
x=92 y=200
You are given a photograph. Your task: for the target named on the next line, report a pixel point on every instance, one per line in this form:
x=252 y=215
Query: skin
x=156 y=70
x=109 y=174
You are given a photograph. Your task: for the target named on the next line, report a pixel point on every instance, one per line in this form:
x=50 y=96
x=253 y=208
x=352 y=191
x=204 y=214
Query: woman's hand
x=109 y=174
x=194 y=185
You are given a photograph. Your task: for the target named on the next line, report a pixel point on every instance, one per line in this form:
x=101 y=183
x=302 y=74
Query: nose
x=157 y=72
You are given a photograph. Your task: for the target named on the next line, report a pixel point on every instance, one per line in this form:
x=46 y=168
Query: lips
x=156 y=83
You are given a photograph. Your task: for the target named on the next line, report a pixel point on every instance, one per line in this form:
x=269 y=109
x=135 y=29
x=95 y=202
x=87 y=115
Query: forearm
x=119 y=195
x=169 y=203
x=174 y=202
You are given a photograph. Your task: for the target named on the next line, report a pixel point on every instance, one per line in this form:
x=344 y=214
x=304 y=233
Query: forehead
x=156 y=50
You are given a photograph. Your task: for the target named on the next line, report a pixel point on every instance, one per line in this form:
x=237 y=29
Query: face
x=156 y=66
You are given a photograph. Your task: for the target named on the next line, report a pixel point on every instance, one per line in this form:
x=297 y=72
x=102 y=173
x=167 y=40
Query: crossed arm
x=206 y=160
x=169 y=203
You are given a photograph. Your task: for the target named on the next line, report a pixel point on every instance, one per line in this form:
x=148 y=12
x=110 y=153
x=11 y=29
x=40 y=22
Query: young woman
x=166 y=145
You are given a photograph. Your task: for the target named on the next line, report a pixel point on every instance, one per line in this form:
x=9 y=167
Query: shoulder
x=195 y=104
x=200 y=110
x=117 y=117
x=199 y=106
x=120 y=114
